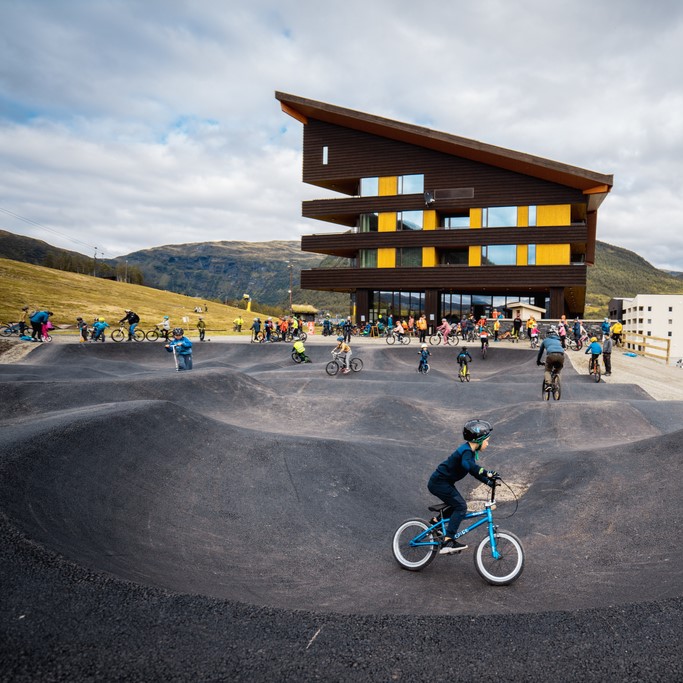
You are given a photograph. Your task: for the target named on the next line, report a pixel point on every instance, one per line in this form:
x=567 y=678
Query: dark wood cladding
x=353 y=154
x=348 y=244
x=493 y=279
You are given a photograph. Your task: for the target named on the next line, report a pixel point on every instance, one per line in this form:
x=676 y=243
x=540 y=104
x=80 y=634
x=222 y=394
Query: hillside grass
x=69 y=295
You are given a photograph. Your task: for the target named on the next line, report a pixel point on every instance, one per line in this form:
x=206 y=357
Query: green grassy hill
x=622 y=273
x=70 y=295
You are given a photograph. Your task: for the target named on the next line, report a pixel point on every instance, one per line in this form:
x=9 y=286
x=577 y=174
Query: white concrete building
x=655 y=315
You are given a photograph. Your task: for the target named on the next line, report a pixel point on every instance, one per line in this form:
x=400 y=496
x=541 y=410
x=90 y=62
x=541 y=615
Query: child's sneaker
x=451 y=546
x=345 y=371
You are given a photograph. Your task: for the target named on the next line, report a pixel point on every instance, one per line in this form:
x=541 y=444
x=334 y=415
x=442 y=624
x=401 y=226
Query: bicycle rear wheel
x=596 y=374
x=138 y=335
x=152 y=335
x=510 y=563
x=117 y=335
x=410 y=556
x=557 y=387
x=545 y=391
x=435 y=340
x=296 y=357
x=332 y=368
x=356 y=364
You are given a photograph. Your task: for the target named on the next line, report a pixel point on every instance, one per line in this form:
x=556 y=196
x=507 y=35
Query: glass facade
x=367 y=222
x=398 y=304
x=456 y=221
x=409 y=220
x=499 y=217
x=499 y=255
x=411 y=184
x=409 y=257
x=369 y=187
x=368 y=258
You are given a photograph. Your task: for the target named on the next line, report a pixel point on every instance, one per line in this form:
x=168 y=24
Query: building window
x=532 y=216
x=325 y=154
x=456 y=221
x=367 y=222
x=671 y=309
x=499 y=255
x=668 y=334
x=409 y=220
x=369 y=187
x=368 y=258
x=409 y=257
x=499 y=217
x=454 y=257
x=411 y=184
x=649 y=308
x=531 y=255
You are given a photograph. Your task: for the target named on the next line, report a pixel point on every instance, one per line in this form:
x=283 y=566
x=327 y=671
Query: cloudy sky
x=127 y=124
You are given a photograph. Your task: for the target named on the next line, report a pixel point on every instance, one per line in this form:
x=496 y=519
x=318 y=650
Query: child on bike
x=98 y=328
x=463 y=358
x=299 y=348
x=463 y=461
x=183 y=349
x=344 y=349
x=424 y=355
x=483 y=337
x=595 y=350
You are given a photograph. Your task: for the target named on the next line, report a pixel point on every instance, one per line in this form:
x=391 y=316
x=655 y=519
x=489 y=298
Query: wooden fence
x=645 y=345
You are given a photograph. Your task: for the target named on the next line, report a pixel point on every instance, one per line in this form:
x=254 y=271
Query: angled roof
x=589 y=182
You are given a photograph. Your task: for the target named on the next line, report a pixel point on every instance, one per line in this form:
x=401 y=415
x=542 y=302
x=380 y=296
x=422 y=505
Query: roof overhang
x=597 y=185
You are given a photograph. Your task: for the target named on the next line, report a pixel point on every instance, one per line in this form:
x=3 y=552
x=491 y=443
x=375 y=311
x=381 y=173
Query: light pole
x=290 y=265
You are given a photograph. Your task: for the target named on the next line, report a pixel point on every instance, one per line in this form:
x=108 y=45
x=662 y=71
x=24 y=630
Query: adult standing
x=347 y=329
x=422 y=328
x=201 y=326
x=38 y=319
x=516 y=326
x=607 y=355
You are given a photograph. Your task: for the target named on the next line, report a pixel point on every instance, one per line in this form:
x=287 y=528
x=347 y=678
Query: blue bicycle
x=498 y=558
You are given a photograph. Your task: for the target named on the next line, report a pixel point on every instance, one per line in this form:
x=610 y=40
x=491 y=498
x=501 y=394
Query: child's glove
x=492 y=474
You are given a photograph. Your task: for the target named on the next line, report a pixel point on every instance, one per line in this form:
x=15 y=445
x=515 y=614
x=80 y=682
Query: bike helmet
x=178 y=331
x=594 y=339
x=553 y=329
x=423 y=346
x=477 y=431
x=464 y=349
x=100 y=320
x=340 y=338
x=165 y=317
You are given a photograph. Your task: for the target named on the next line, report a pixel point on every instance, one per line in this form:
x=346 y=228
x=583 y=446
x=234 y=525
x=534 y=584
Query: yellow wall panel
x=559 y=214
x=475 y=256
x=386 y=258
x=522 y=254
x=475 y=218
x=386 y=222
x=552 y=254
x=523 y=216
x=429 y=220
x=388 y=185
x=428 y=256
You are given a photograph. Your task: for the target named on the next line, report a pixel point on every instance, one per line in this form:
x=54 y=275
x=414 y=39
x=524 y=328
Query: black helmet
x=178 y=331
x=477 y=431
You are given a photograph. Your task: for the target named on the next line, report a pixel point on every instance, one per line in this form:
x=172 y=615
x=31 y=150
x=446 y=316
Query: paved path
x=234 y=523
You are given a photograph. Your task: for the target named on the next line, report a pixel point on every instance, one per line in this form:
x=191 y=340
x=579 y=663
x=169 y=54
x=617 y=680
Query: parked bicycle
x=122 y=333
x=8 y=329
x=554 y=388
x=498 y=558
x=337 y=364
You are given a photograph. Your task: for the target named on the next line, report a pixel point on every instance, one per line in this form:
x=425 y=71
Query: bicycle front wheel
x=413 y=550
x=117 y=335
x=391 y=339
x=296 y=357
x=510 y=562
x=332 y=368
x=356 y=364
x=596 y=374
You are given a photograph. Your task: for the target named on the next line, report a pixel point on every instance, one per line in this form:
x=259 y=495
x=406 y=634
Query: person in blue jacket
x=424 y=356
x=463 y=461
x=37 y=320
x=594 y=349
x=605 y=327
x=183 y=349
x=98 y=328
x=552 y=346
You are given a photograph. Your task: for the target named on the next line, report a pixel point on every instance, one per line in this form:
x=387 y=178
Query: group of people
x=270 y=328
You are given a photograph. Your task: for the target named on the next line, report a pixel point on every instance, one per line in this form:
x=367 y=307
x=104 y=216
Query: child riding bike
x=424 y=355
x=463 y=461
x=299 y=348
x=463 y=359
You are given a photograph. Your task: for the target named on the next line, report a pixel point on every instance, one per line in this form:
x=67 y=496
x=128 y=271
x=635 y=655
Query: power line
x=52 y=230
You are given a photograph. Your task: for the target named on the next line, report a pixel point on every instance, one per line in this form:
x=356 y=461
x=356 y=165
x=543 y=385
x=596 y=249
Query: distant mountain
x=225 y=271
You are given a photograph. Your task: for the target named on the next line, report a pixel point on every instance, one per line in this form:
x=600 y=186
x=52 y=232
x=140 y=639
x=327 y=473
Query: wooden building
x=438 y=224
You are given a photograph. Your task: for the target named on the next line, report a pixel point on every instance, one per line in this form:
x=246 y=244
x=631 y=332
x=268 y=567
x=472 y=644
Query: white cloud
x=129 y=125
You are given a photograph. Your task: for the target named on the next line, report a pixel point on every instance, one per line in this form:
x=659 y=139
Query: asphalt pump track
x=253 y=501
